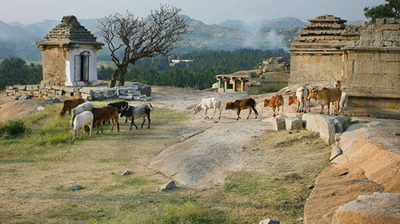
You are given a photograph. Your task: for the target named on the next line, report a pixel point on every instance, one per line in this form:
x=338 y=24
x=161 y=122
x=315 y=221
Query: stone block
x=322 y=124
x=278 y=124
x=390 y=20
x=97 y=95
x=293 y=123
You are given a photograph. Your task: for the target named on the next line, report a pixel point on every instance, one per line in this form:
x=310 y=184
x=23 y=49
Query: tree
x=141 y=37
x=389 y=9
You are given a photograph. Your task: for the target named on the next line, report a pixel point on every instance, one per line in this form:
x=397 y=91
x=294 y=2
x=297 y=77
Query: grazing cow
x=81 y=120
x=87 y=106
x=69 y=105
x=343 y=98
x=205 y=104
x=133 y=113
x=107 y=113
x=239 y=105
x=274 y=102
x=325 y=96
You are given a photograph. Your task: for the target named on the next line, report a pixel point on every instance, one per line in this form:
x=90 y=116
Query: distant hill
x=19 y=40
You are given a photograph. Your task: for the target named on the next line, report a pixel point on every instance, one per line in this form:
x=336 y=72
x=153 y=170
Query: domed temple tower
x=69 y=55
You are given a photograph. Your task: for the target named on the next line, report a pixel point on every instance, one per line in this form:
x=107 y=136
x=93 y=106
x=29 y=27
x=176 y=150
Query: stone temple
x=366 y=58
x=69 y=55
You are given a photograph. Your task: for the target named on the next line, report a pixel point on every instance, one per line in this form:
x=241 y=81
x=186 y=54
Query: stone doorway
x=81 y=70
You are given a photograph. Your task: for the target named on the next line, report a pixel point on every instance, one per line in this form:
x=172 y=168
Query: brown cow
x=107 y=113
x=69 y=105
x=239 y=105
x=325 y=96
x=274 y=102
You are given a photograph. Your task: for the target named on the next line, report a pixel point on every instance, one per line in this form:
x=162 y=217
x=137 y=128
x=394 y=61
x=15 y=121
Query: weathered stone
x=376 y=208
x=97 y=95
x=322 y=124
x=291 y=176
x=130 y=97
x=23 y=97
x=293 y=123
x=336 y=151
x=169 y=186
x=278 y=124
x=126 y=173
x=269 y=221
x=40 y=108
x=75 y=187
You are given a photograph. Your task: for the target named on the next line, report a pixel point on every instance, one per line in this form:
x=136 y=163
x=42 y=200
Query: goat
x=107 y=113
x=205 y=104
x=69 y=105
x=242 y=105
x=81 y=120
x=79 y=109
x=133 y=113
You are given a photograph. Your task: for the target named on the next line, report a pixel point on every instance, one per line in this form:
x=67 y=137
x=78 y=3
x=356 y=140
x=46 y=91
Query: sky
x=207 y=11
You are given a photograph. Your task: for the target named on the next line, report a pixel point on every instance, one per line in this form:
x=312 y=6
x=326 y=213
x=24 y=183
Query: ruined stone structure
x=313 y=55
x=366 y=58
x=232 y=82
x=273 y=75
x=69 y=55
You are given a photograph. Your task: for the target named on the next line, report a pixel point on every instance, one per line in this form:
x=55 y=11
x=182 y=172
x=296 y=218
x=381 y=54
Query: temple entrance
x=82 y=66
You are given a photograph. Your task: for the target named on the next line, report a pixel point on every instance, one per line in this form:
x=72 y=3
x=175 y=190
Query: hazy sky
x=208 y=11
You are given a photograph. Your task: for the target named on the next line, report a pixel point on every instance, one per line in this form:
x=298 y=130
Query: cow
x=300 y=98
x=106 y=113
x=81 y=121
x=69 y=105
x=274 y=102
x=133 y=113
x=343 y=98
x=239 y=105
x=87 y=106
x=208 y=103
x=121 y=105
x=325 y=96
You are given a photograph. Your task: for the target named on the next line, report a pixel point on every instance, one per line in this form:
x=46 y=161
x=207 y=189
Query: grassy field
x=39 y=161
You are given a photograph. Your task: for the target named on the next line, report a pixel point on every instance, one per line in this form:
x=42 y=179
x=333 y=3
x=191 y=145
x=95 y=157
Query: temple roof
x=70 y=31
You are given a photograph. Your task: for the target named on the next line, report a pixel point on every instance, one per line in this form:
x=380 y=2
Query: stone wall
x=131 y=91
x=315 y=68
x=54 y=66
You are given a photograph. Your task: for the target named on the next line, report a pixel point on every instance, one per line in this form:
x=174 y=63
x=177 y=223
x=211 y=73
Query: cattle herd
x=332 y=97
x=86 y=117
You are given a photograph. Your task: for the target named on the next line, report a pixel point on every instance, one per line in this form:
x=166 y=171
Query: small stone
x=311 y=186
x=169 y=186
x=201 y=189
x=40 y=108
x=270 y=221
x=126 y=173
x=292 y=176
x=75 y=187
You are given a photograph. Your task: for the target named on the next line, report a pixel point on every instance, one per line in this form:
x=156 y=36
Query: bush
x=13 y=128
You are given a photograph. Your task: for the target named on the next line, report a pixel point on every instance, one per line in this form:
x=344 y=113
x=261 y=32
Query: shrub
x=13 y=128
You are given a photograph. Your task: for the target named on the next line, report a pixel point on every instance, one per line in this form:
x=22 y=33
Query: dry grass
x=35 y=177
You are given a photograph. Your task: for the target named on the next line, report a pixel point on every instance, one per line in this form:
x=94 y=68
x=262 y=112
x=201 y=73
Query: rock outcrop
x=370 y=163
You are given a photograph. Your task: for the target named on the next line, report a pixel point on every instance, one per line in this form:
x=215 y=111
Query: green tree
x=389 y=9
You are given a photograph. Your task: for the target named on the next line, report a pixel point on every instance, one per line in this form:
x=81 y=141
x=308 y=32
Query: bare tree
x=138 y=38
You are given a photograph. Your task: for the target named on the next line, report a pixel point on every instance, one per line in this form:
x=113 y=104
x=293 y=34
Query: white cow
x=81 y=120
x=208 y=103
x=302 y=99
x=88 y=106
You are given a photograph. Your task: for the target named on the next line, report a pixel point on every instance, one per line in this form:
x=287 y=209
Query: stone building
x=232 y=82
x=69 y=55
x=366 y=58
